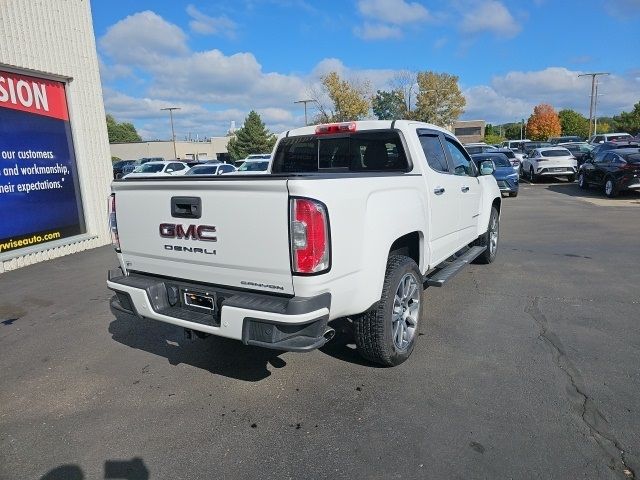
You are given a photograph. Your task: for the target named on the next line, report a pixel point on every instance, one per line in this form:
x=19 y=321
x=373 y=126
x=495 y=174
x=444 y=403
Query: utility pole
x=521 y=127
x=593 y=89
x=305 y=109
x=173 y=133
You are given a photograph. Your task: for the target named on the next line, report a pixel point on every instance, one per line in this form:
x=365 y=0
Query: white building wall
x=162 y=149
x=56 y=37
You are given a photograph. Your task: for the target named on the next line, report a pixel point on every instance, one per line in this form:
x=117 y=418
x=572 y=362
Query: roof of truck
x=362 y=125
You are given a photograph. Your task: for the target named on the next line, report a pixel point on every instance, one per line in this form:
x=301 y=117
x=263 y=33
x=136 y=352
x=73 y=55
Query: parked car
x=211 y=169
x=528 y=147
x=132 y=166
x=600 y=149
x=515 y=162
x=514 y=144
x=609 y=137
x=565 y=139
x=578 y=149
x=549 y=162
x=253 y=167
x=355 y=219
x=158 y=169
x=119 y=166
x=614 y=170
x=504 y=173
x=481 y=147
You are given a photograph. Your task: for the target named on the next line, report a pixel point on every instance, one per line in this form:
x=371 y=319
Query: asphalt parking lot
x=526 y=368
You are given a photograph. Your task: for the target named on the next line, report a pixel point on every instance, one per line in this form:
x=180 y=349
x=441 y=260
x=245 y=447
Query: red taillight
x=309 y=236
x=113 y=223
x=345 y=127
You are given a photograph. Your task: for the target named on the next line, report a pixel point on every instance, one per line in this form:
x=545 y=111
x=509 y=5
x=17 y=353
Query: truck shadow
x=342 y=346
x=217 y=355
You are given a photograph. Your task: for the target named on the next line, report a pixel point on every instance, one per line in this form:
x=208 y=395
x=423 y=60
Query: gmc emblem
x=205 y=233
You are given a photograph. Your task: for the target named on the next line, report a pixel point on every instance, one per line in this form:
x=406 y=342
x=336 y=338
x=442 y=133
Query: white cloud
x=206 y=25
x=490 y=16
x=369 y=31
x=397 y=12
x=143 y=38
x=622 y=9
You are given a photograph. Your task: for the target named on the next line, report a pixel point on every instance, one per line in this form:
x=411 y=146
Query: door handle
x=464 y=189
x=438 y=190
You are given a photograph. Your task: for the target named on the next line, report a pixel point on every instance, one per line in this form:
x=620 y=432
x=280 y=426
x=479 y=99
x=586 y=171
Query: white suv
x=608 y=137
x=550 y=162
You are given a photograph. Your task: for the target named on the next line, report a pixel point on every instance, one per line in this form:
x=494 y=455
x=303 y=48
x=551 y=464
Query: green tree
x=512 y=130
x=252 y=137
x=573 y=123
x=121 y=132
x=347 y=100
x=603 y=127
x=439 y=99
x=389 y=105
x=608 y=122
x=629 y=121
x=543 y=123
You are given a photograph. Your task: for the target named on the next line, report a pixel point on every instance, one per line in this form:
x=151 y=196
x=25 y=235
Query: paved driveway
x=527 y=368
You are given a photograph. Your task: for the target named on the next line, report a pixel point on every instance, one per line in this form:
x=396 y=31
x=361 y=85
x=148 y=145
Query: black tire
x=613 y=192
x=489 y=255
x=571 y=178
x=373 y=329
x=513 y=194
x=532 y=175
x=582 y=181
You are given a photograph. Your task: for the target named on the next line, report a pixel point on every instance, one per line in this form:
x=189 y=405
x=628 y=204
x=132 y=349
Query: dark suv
x=601 y=148
x=615 y=170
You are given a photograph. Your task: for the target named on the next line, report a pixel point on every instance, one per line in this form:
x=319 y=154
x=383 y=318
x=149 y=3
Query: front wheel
x=386 y=334
x=571 y=178
x=582 y=181
x=532 y=175
x=489 y=239
x=610 y=189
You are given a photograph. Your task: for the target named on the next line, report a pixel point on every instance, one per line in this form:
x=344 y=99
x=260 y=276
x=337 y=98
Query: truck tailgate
x=251 y=246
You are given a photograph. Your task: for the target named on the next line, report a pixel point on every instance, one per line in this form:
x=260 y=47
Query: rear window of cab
x=373 y=151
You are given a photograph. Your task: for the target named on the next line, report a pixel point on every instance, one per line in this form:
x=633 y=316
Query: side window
x=435 y=154
x=604 y=157
x=462 y=164
x=598 y=138
x=176 y=166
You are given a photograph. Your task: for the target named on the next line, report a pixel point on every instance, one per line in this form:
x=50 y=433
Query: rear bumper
x=551 y=171
x=283 y=323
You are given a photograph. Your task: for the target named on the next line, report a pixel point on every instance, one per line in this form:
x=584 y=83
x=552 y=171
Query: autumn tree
x=341 y=100
x=629 y=121
x=252 y=137
x=389 y=105
x=573 y=123
x=543 y=123
x=439 y=99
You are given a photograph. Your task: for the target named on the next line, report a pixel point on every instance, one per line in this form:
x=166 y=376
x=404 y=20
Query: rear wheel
x=489 y=239
x=610 y=189
x=582 y=181
x=387 y=333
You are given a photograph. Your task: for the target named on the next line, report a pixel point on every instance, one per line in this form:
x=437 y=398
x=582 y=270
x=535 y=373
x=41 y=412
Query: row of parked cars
x=609 y=161
x=154 y=167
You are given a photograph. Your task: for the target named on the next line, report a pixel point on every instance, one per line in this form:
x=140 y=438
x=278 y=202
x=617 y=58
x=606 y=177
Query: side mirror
x=487 y=167
x=219 y=172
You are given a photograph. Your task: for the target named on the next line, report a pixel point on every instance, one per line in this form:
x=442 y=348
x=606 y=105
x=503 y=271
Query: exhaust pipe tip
x=329 y=334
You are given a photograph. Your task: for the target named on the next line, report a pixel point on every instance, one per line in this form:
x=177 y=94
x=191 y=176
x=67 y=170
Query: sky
x=218 y=60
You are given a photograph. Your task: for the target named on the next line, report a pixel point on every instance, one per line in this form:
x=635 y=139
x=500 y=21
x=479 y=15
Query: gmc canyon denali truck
x=352 y=220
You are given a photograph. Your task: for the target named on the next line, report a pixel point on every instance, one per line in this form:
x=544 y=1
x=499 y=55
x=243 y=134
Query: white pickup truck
x=352 y=221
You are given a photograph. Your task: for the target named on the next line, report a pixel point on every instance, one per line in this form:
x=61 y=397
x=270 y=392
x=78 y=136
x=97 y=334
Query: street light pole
x=593 y=88
x=173 y=133
x=305 y=109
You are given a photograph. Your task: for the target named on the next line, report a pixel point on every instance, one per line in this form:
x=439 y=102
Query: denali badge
x=196 y=232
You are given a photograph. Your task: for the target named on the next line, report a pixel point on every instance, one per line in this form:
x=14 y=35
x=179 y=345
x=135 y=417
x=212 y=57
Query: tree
x=389 y=105
x=543 y=123
x=512 y=130
x=439 y=99
x=342 y=100
x=629 y=121
x=121 y=132
x=252 y=137
x=603 y=127
x=405 y=82
x=573 y=123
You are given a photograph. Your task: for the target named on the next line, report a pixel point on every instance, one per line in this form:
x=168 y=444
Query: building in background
x=213 y=149
x=469 y=131
x=55 y=166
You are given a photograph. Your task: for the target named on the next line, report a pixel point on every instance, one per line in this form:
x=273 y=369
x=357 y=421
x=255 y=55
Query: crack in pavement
x=597 y=423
